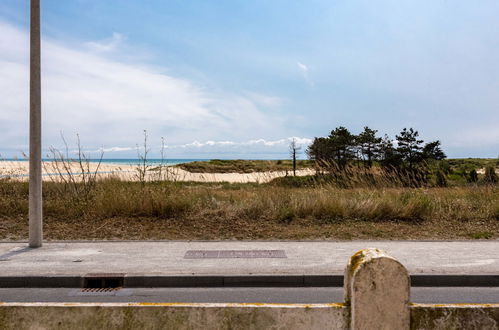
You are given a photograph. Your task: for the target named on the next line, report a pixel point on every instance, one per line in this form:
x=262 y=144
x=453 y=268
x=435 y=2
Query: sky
x=240 y=79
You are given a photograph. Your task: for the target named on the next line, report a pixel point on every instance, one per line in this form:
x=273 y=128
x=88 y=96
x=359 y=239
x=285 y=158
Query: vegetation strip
x=355 y=193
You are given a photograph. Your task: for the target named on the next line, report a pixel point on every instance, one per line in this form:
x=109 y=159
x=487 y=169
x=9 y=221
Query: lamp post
x=35 y=131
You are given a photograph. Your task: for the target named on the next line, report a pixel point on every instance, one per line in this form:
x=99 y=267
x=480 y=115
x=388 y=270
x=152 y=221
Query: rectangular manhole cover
x=228 y=254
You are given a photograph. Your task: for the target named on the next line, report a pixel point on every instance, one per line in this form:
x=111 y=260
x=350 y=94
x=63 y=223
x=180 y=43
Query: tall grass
x=112 y=198
x=352 y=175
x=352 y=195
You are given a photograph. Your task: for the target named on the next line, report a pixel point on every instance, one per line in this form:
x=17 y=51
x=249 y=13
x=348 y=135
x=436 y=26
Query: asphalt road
x=240 y=295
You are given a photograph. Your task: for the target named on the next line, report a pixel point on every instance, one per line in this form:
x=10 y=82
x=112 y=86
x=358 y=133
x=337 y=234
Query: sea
x=131 y=161
x=121 y=161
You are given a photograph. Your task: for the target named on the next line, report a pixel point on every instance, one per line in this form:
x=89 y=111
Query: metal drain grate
x=90 y=290
x=100 y=292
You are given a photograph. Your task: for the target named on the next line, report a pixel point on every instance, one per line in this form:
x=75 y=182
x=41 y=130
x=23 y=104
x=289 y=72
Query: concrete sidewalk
x=167 y=258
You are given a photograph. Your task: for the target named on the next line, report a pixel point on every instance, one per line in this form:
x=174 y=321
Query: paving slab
x=168 y=258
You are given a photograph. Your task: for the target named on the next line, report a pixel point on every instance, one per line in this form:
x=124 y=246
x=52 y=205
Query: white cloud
x=106 y=45
x=115 y=149
x=260 y=142
x=305 y=70
x=110 y=101
x=303 y=67
x=265 y=100
x=236 y=149
x=248 y=147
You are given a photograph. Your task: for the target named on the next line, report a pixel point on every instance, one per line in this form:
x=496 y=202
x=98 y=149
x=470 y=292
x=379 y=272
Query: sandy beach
x=56 y=171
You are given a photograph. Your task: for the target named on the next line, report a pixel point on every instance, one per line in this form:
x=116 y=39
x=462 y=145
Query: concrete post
x=35 y=131
x=377 y=289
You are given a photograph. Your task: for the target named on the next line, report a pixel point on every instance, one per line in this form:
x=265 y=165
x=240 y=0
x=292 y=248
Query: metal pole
x=35 y=131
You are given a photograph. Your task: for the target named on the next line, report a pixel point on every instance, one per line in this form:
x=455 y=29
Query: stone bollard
x=377 y=289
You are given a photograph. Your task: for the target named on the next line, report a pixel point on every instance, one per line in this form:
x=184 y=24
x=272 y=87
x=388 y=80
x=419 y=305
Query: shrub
x=295 y=181
x=473 y=176
x=490 y=175
x=440 y=180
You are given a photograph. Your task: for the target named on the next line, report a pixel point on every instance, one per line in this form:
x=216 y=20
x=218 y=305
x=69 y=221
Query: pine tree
x=369 y=145
x=409 y=147
x=342 y=144
x=432 y=150
x=320 y=150
x=389 y=157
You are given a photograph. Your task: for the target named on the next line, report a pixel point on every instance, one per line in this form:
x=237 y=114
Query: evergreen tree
x=409 y=147
x=342 y=144
x=369 y=145
x=432 y=150
x=320 y=150
x=389 y=157
x=406 y=159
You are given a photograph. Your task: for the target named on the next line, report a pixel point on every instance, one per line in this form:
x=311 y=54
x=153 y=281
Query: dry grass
x=161 y=210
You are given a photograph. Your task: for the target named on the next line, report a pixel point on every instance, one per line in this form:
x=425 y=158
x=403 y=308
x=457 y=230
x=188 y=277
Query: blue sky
x=238 y=79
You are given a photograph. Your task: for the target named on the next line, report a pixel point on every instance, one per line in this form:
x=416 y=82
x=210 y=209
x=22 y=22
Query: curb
x=137 y=281
x=455 y=280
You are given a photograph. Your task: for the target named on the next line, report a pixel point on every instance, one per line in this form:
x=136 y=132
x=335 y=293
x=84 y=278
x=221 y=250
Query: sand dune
x=56 y=171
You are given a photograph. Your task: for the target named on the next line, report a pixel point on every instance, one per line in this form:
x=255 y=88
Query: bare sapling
x=77 y=175
x=162 y=170
x=294 y=149
x=143 y=166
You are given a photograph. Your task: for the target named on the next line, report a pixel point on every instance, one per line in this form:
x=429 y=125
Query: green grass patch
x=243 y=166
